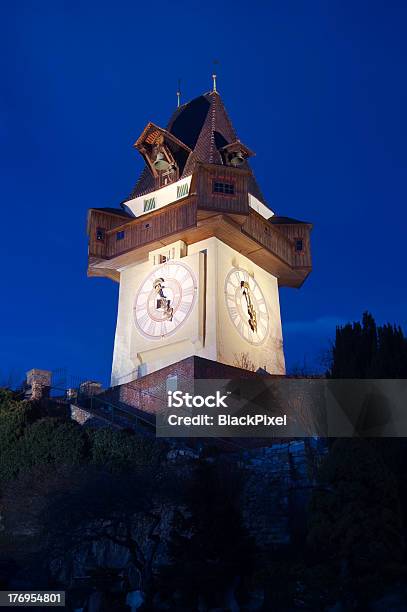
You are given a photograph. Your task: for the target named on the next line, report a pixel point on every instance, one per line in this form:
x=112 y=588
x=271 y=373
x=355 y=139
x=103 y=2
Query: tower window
x=120 y=235
x=172 y=383
x=182 y=190
x=225 y=188
x=100 y=234
x=299 y=245
x=149 y=204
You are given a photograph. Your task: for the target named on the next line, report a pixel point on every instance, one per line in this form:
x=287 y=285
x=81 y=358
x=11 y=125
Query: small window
x=120 y=235
x=149 y=204
x=159 y=259
x=225 y=188
x=182 y=190
x=100 y=234
x=299 y=246
x=172 y=383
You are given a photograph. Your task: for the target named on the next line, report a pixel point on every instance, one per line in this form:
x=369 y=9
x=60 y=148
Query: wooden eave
x=226 y=228
x=232 y=146
x=306 y=224
x=212 y=167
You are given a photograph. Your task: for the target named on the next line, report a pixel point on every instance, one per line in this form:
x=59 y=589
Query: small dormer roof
x=153 y=133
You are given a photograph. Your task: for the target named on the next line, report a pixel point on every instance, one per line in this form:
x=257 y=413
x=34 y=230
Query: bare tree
x=242 y=360
x=66 y=510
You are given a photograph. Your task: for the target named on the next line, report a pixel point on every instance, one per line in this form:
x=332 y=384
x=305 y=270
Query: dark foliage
x=211 y=553
x=114 y=449
x=355 y=521
x=29 y=440
x=365 y=350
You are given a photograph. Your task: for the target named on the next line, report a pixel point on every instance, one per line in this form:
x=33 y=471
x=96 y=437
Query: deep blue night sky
x=317 y=89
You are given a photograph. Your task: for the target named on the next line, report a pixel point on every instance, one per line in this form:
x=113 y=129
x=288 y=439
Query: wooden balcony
x=271 y=246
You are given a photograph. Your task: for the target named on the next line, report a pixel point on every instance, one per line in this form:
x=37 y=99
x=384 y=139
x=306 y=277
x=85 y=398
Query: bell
x=237 y=158
x=160 y=163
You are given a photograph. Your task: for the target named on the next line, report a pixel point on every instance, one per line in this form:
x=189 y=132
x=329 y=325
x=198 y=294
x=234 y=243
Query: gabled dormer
x=163 y=153
x=235 y=154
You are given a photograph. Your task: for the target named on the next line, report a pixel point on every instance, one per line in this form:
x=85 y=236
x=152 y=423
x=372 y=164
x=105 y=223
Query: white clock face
x=246 y=306
x=165 y=300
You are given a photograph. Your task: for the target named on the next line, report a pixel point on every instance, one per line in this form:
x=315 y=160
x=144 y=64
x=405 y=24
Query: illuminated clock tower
x=198 y=253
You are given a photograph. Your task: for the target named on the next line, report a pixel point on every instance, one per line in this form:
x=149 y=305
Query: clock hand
x=163 y=302
x=250 y=308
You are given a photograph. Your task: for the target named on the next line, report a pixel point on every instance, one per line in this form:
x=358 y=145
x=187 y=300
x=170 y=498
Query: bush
x=15 y=417
x=111 y=447
x=51 y=441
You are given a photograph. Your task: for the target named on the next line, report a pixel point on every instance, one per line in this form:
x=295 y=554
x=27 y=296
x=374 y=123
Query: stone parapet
x=38 y=384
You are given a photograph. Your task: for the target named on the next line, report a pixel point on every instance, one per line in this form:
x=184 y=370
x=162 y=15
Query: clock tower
x=197 y=251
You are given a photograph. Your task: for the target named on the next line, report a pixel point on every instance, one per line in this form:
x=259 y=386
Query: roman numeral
x=262 y=326
x=143 y=320
x=151 y=328
x=233 y=312
x=176 y=320
x=140 y=307
x=184 y=307
x=146 y=290
x=182 y=275
x=188 y=291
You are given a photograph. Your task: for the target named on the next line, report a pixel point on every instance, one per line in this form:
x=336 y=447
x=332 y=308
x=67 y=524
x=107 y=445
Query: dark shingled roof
x=187 y=121
x=204 y=126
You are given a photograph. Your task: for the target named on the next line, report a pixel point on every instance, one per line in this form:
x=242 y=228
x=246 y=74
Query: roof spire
x=214 y=76
x=179 y=94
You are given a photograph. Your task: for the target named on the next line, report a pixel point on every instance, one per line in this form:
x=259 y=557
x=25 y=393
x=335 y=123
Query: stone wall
x=80 y=415
x=279 y=481
x=38 y=384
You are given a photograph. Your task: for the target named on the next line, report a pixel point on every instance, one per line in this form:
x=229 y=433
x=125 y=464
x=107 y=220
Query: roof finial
x=179 y=94
x=214 y=76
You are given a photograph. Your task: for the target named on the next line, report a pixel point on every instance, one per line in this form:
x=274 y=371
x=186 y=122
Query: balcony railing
x=176 y=218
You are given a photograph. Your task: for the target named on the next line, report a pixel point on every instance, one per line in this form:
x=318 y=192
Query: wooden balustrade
x=263 y=232
x=120 y=235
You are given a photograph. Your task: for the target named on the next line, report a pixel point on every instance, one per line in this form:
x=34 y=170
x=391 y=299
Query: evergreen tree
x=355 y=520
x=365 y=350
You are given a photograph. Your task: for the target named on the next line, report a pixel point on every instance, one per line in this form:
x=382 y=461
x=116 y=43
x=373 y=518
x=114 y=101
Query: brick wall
x=149 y=393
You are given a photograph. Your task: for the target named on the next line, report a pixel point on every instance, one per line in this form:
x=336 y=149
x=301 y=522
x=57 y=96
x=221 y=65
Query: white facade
x=160 y=198
x=207 y=324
